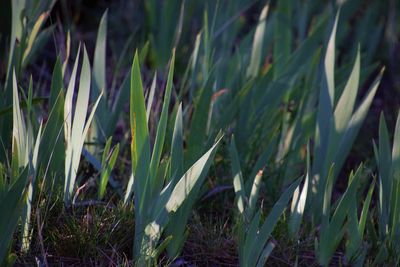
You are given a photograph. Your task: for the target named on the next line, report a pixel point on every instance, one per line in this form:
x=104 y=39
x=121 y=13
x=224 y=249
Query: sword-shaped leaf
x=162 y=125
x=256 y=51
x=11 y=203
x=75 y=133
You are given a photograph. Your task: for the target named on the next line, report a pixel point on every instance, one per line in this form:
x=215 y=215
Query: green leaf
x=330 y=62
x=262 y=160
x=32 y=36
x=365 y=210
x=151 y=97
x=170 y=200
x=355 y=123
x=327 y=197
x=345 y=106
x=162 y=247
x=189 y=179
x=10 y=205
x=238 y=184
x=129 y=189
x=396 y=150
x=69 y=99
x=140 y=146
x=82 y=102
x=332 y=231
x=250 y=228
x=177 y=147
x=23 y=104
x=16 y=33
x=52 y=139
x=282 y=35
x=162 y=125
x=299 y=201
x=119 y=105
x=56 y=82
x=355 y=250
x=254 y=193
x=99 y=61
x=101 y=127
x=144 y=51
x=265 y=254
x=258 y=243
x=198 y=125
x=256 y=51
x=385 y=178
x=30 y=99
x=32 y=152
x=396 y=180
x=20 y=145
x=107 y=163
x=324 y=121
x=75 y=134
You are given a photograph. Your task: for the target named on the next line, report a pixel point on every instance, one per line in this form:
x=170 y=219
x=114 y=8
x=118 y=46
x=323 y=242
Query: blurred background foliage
x=251 y=69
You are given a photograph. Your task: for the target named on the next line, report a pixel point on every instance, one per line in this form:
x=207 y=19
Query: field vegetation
x=199 y=133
